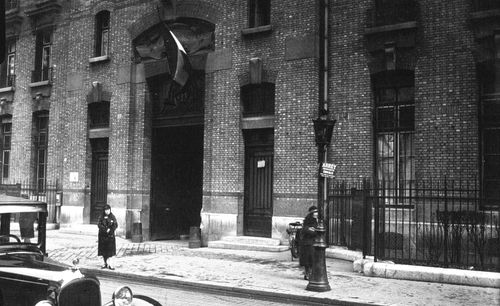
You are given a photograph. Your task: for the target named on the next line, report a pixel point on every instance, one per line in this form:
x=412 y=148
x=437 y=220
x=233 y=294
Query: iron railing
x=435 y=223
x=47 y=194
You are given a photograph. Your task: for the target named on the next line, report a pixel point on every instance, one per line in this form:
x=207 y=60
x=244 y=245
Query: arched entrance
x=177 y=125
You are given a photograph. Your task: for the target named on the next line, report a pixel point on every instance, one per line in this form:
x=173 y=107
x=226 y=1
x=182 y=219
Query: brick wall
x=445 y=84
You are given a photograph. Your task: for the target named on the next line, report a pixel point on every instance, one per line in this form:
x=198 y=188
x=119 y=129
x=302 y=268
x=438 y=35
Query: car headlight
x=44 y=303
x=122 y=296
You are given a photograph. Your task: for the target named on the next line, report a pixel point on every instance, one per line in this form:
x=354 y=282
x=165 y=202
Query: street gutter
x=218 y=289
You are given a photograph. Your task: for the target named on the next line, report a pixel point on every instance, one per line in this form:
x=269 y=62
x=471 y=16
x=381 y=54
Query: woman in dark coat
x=106 y=244
x=307 y=235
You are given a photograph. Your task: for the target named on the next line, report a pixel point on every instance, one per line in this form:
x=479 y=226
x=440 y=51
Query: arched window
x=102 y=33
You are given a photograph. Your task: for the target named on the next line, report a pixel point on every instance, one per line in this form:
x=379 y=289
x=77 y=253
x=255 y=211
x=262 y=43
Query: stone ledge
x=427 y=274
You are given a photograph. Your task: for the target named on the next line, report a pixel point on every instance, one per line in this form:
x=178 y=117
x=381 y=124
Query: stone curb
x=427 y=274
x=214 y=288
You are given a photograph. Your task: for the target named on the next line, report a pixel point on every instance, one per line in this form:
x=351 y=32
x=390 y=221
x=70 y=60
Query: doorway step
x=249 y=243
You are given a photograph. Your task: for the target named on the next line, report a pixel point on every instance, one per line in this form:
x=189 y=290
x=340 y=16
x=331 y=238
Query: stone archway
x=177 y=114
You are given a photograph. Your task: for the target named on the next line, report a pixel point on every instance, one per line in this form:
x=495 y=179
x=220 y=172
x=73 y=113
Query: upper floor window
x=258 y=99
x=102 y=33
x=259 y=13
x=7 y=73
x=43 y=54
x=11 y=4
x=6 y=129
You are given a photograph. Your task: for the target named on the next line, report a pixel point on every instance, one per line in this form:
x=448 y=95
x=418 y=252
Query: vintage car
x=28 y=277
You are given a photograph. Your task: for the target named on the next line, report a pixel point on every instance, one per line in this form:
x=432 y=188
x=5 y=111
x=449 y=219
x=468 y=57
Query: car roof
x=12 y=204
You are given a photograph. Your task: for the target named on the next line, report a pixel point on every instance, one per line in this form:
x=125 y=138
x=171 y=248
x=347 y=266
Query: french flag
x=178 y=62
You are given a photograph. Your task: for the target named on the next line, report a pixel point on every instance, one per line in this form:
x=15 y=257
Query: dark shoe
x=104 y=267
x=111 y=268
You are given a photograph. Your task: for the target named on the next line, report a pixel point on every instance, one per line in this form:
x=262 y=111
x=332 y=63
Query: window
x=395 y=152
x=6 y=129
x=7 y=75
x=43 y=61
x=11 y=4
x=258 y=99
x=259 y=13
x=102 y=33
x=490 y=141
x=98 y=115
x=41 y=142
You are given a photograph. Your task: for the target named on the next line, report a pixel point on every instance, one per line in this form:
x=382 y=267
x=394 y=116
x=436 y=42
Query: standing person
x=106 y=244
x=26 y=226
x=307 y=235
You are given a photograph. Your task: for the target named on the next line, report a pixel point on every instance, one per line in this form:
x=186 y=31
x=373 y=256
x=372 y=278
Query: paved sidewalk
x=257 y=272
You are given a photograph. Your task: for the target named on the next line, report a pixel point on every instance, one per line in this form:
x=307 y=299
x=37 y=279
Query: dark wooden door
x=258 y=203
x=176 y=181
x=99 y=178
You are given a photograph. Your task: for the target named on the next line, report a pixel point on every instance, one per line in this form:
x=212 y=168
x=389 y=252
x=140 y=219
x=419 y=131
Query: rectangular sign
x=73 y=176
x=261 y=163
x=328 y=170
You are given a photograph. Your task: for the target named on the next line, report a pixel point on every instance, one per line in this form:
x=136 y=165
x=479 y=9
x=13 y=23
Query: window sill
x=256 y=30
x=7 y=89
x=99 y=59
x=260 y=122
x=39 y=84
x=391 y=27
x=100 y=132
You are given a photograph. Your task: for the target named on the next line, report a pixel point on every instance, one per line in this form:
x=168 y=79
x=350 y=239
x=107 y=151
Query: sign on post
x=328 y=170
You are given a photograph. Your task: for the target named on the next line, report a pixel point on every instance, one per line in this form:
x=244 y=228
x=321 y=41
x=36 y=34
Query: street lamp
x=323 y=128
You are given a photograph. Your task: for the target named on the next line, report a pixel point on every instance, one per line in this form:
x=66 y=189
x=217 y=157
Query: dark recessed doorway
x=176 y=180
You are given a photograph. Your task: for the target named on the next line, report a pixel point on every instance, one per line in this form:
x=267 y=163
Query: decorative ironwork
x=437 y=223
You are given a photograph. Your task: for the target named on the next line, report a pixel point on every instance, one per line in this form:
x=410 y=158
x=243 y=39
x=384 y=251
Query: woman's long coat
x=107 y=243
x=307 y=235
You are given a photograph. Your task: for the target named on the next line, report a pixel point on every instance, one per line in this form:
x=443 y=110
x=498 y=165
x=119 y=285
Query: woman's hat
x=313 y=209
x=106 y=207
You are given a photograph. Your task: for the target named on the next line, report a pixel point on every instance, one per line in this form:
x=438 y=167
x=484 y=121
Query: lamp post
x=323 y=128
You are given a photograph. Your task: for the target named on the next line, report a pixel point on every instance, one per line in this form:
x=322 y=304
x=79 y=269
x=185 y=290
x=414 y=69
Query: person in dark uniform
x=106 y=244
x=27 y=226
x=307 y=235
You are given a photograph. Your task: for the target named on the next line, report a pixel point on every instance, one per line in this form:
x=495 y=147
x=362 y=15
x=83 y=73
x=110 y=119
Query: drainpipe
x=323 y=57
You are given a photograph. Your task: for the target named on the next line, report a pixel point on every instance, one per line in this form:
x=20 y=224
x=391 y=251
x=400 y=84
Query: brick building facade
x=411 y=84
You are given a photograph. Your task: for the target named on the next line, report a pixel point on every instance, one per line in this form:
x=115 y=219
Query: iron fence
x=47 y=194
x=434 y=222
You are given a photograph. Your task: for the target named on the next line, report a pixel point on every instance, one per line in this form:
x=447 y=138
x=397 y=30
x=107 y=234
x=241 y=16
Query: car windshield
x=19 y=227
